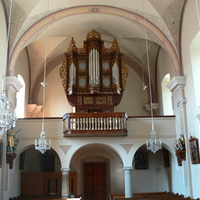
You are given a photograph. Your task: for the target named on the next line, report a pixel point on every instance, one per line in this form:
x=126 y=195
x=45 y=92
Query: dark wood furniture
x=94 y=77
x=95 y=124
x=45 y=184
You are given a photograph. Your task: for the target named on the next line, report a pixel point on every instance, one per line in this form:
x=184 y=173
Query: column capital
x=176 y=83
x=155 y=106
x=65 y=170
x=127 y=168
x=13 y=82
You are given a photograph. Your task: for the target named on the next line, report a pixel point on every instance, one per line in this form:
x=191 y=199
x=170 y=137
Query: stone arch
x=65 y=162
x=29 y=146
x=79 y=10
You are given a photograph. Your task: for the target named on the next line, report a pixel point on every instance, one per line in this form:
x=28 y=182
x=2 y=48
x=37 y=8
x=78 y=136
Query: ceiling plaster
x=128 y=20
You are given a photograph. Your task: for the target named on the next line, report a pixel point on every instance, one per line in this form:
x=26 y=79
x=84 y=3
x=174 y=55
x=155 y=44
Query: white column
x=176 y=86
x=65 y=182
x=128 y=186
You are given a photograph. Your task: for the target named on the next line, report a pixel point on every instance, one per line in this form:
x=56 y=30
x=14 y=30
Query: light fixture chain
x=149 y=74
x=152 y=144
x=42 y=145
x=45 y=67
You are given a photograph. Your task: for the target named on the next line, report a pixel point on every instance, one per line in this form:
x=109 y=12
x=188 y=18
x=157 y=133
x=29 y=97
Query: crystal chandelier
x=152 y=144
x=7 y=120
x=42 y=145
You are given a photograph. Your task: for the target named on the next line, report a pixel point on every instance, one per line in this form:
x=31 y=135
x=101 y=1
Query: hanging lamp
x=42 y=145
x=7 y=119
x=152 y=144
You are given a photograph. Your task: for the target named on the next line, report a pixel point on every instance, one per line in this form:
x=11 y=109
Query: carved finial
x=93 y=34
x=72 y=46
x=115 y=46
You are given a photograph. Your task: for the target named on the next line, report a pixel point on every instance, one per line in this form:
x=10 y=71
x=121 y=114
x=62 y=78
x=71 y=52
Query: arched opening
x=96 y=166
x=151 y=172
x=166 y=96
x=42 y=171
x=20 y=98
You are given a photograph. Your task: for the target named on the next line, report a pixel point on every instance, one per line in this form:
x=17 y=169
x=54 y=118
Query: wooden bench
x=147 y=196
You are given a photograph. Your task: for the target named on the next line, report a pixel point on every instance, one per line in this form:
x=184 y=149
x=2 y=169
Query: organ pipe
x=94 y=67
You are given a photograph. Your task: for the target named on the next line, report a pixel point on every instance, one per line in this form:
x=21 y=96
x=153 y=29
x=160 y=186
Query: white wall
x=134 y=97
x=13 y=179
x=133 y=100
x=190 y=28
x=108 y=148
x=164 y=66
x=157 y=178
x=22 y=68
x=56 y=101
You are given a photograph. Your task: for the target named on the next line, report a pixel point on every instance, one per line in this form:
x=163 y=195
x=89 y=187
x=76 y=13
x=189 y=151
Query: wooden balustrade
x=95 y=124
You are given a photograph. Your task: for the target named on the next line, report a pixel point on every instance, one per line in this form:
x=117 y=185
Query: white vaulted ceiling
x=124 y=19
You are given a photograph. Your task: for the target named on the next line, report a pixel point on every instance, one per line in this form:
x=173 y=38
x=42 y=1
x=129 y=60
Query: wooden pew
x=147 y=196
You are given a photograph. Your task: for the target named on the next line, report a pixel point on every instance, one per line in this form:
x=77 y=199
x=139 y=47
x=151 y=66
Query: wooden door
x=95 y=181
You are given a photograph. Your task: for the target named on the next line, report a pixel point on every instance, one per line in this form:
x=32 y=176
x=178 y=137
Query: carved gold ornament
x=125 y=72
x=63 y=73
x=93 y=34
x=115 y=46
x=72 y=46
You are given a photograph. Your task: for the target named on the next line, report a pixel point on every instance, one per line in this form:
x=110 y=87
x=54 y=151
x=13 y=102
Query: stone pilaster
x=176 y=86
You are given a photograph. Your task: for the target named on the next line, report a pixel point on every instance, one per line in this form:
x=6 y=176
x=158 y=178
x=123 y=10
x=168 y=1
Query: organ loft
x=94 y=79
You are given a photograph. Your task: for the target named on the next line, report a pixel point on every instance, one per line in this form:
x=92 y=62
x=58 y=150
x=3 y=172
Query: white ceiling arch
x=32 y=32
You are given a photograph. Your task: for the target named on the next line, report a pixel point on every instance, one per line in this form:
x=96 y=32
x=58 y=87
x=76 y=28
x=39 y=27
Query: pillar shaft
x=128 y=186
x=65 y=182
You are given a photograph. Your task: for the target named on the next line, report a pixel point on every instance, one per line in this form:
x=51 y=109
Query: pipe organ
x=94 y=77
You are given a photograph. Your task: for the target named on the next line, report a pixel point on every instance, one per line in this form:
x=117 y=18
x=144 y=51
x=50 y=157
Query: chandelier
x=42 y=145
x=152 y=144
x=7 y=120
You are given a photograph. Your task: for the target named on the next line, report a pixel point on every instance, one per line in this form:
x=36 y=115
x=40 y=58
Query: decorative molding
x=176 y=83
x=65 y=148
x=172 y=16
x=127 y=168
x=181 y=101
x=95 y=10
x=65 y=171
x=160 y=36
x=155 y=106
x=126 y=147
x=13 y=83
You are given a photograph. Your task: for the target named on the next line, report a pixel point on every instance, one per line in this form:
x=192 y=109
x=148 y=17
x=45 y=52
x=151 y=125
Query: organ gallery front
x=94 y=79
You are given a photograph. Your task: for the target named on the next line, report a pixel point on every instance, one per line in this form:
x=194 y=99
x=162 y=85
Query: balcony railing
x=95 y=124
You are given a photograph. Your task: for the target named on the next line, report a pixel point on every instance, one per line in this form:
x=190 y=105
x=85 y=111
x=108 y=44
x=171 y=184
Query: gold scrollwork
x=125 y=72
x=88 y=100
x=93 y=34
x=72 y=46
x=115 y=46
x=63 y=73
x=101 y=100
